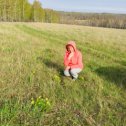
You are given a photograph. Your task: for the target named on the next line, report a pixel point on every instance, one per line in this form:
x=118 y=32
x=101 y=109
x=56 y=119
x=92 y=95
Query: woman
x=72 y=61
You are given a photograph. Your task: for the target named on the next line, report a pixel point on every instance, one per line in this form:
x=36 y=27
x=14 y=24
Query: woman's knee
x=73 y=72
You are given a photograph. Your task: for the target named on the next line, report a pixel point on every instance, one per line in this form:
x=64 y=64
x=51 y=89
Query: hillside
x=32 y=68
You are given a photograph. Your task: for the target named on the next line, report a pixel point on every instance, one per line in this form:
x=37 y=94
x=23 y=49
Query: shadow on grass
x=53 y=65
x=113 y=74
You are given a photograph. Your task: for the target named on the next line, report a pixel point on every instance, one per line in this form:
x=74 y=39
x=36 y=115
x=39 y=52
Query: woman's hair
x=68 y=46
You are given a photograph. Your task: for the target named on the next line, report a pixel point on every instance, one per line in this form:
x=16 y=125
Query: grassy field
x=33 y=90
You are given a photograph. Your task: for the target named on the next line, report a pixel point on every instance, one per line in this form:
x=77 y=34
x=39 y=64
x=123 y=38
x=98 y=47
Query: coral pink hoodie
x=76 y=60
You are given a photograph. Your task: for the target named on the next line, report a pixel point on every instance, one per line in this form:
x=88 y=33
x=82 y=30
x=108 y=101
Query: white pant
x=72 y=72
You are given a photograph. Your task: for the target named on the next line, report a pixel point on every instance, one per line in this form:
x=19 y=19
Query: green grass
x=31 y=61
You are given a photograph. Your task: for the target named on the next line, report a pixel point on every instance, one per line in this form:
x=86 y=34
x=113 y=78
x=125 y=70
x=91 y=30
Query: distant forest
x=94 y=19
x=23 y=11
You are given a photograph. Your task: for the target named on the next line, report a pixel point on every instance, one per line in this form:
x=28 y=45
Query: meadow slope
x=31 y=65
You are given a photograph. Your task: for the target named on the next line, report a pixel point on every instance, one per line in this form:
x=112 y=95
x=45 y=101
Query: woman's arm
x=67 y=58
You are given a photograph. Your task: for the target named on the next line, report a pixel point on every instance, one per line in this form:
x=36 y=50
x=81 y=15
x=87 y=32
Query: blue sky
x=110 y=6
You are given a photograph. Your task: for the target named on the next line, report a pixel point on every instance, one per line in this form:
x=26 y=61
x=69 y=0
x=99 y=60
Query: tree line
x=23 y=11
x=94 y=19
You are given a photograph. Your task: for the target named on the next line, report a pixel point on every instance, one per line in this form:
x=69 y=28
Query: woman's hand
x=68 y=67
x=71 y=55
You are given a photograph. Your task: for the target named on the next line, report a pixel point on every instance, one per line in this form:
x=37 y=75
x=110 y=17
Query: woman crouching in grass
x=72 y=61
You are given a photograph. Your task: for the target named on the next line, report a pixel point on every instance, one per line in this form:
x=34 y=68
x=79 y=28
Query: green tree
x=22 y=10
x=36 y=11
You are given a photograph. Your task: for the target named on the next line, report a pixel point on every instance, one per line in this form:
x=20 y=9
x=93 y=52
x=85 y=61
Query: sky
x=101 y=6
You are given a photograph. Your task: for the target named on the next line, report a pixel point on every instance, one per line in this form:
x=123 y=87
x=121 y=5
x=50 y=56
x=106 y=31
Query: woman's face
x=70 y=49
